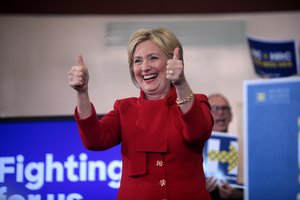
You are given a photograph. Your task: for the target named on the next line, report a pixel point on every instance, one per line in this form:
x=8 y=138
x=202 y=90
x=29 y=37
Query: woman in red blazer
x=162 y=131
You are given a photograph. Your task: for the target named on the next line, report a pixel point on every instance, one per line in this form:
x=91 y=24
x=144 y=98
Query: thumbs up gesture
x=78 y=76
x=175 y=68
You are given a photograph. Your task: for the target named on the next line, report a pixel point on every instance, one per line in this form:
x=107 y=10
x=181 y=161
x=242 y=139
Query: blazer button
x=162 y=182
x=159 y=163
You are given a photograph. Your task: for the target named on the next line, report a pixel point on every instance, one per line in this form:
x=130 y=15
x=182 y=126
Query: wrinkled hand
x=211 y=184
x=175 y=68
x=78 y=76
x=226 y=191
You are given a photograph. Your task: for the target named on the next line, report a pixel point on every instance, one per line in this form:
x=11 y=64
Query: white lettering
x=72 y=196
x=93 y=166
x=257 y=54
x=34 y=197
x=35 y=174
x=16 y=197
x=71 y=165
x=50 y=166
x=280 y=56
x=3 y=190
x=6 y=169
x=20 y=169
x=114 y=173
x=83 y=167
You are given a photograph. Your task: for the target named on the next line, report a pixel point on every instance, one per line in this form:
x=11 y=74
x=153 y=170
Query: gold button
x=162 y=182
x=159 y=163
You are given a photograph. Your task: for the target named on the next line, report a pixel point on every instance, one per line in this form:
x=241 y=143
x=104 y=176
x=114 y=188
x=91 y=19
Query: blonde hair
x=163 y=38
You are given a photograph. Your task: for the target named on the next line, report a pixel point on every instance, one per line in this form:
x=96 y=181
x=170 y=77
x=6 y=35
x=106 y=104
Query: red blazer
x=161 y=148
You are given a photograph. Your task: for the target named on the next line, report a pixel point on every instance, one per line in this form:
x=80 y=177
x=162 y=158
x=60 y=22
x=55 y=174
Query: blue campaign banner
x=221 y=157
x=272 y=139
x=274 y=58
x=44 y=159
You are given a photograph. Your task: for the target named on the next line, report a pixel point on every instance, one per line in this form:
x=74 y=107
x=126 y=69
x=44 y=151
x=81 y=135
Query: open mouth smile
x=149 y=76
x=220 y=121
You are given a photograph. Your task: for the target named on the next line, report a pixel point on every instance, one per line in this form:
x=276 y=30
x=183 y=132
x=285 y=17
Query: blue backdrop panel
x=272 y=128
x=45 y=159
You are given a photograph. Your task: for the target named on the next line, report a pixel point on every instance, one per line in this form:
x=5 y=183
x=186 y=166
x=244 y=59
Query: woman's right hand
x=79 y=76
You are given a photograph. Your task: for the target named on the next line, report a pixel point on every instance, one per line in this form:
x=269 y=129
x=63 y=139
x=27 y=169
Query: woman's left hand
x=175 y=68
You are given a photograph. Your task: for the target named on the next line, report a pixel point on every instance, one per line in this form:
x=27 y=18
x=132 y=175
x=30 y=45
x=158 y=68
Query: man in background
x=221 y=111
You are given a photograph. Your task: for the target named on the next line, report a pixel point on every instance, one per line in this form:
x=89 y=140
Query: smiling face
x=221 y=112
x=149 y=68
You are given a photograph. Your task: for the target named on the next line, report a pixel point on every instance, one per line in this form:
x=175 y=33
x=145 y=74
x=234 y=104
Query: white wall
x=36 y=53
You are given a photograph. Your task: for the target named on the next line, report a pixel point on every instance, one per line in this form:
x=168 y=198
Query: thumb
x=80 y=60
x=176 y=54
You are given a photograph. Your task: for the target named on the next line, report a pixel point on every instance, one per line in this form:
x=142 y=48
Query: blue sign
x=44 y=159
x=221 y=157
x=272 y=139
x=274 y=58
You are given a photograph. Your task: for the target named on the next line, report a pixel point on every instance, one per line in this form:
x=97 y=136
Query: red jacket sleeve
x=198 y=121
x=99 y=134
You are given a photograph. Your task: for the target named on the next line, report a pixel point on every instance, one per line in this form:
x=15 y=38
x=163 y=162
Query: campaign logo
x=221 y=157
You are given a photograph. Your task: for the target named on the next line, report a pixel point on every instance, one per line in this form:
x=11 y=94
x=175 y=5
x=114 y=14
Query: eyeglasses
x=220 y=108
